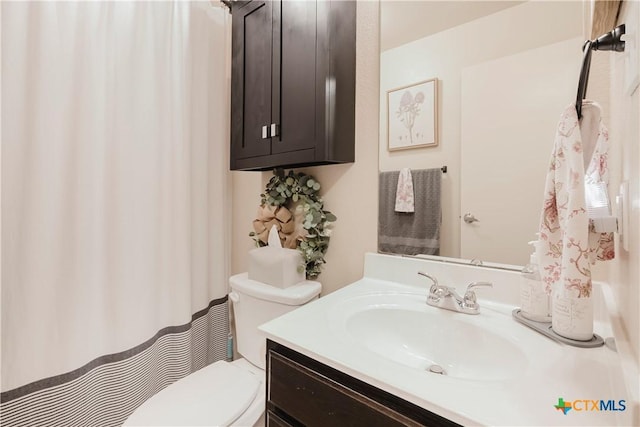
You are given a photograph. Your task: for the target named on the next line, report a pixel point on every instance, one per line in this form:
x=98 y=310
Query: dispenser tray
x=545 y=329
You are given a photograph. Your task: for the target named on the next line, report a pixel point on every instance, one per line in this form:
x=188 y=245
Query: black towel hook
x=609 y=41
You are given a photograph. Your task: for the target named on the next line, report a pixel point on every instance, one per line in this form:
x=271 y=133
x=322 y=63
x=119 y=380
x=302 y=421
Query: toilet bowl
x=228 y=393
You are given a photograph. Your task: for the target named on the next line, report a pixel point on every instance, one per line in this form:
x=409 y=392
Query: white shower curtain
x=114 y=201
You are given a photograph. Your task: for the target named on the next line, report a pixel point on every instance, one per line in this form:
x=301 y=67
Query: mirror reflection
x=504 y=71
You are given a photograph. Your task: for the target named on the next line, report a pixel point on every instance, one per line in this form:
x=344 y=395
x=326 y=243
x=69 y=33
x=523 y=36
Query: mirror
x=505 y=71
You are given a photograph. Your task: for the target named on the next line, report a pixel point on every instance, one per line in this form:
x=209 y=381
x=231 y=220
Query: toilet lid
x=213 y=396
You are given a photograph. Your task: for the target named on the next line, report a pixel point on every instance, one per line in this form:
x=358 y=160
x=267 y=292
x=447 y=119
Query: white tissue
x=274 y=238
x=275 y=265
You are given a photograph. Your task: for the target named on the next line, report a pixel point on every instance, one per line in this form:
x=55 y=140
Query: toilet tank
x=255 y=303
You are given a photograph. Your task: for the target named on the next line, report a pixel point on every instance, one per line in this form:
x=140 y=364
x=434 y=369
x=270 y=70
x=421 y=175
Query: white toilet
x=228 y=393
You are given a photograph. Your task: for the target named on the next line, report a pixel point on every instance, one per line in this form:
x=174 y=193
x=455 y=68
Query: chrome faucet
x=446 y=297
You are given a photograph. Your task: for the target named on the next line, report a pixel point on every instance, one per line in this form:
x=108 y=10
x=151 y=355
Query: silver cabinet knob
x=469 y=218
x=265 y=132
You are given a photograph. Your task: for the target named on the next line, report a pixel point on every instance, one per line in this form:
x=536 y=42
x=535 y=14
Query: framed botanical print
x=412 y=117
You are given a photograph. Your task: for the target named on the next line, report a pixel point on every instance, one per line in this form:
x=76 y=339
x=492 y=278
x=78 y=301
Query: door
x=514 y=113
x=251 y=80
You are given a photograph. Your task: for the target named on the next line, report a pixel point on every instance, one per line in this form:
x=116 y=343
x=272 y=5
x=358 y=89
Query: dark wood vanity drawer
x=275 y=421
x=308 y=393
x=316 y=400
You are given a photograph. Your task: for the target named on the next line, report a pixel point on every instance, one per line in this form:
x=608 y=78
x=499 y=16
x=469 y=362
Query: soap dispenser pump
x=534 y=300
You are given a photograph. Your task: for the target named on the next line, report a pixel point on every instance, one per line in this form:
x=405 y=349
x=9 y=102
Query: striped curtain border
x=57 y=380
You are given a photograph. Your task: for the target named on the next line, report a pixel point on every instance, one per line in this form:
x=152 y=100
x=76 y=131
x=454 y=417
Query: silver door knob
x=469 y=218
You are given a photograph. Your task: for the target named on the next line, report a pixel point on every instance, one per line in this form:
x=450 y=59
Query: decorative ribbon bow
x=285 y=223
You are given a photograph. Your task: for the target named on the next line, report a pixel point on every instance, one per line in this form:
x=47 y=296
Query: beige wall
x=349 y=191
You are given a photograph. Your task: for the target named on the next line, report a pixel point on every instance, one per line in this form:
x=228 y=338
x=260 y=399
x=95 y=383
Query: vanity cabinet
x=292 y=83
x=304 y=392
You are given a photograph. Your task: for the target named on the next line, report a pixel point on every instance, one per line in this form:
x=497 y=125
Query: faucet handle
x=470 y=299
x=434 y=281
x=436 y=291
x=428 y=276
x=478 y=284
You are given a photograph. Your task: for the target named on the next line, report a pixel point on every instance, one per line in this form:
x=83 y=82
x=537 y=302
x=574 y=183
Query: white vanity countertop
x=579 y=374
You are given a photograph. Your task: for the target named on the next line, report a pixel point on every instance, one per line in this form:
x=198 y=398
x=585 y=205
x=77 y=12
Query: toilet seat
x=220 y=394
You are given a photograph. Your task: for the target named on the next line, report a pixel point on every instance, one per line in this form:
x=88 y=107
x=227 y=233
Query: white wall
x=349 y=191
x=444 y=55
x=624 y=164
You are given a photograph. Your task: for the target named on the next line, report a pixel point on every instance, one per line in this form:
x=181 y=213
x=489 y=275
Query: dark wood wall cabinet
x=304 y=392
x=292 y=83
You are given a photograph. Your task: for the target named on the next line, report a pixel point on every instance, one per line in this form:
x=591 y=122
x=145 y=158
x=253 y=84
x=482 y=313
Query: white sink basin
x=402 y=328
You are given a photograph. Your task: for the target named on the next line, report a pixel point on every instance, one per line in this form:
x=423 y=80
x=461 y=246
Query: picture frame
x=412 y=116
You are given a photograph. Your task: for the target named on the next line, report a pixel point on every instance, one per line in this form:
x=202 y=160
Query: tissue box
x=276 y=266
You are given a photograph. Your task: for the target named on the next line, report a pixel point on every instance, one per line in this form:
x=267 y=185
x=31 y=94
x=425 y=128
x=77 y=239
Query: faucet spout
x=445 y=297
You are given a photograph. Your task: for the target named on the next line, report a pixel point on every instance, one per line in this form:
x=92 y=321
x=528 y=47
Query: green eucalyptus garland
x=298 y=192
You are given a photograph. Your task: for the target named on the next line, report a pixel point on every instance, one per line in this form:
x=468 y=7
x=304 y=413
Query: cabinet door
x=251 y=79
x=295 y=100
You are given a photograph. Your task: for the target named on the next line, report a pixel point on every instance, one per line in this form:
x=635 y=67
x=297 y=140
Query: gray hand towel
x=410 y=233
